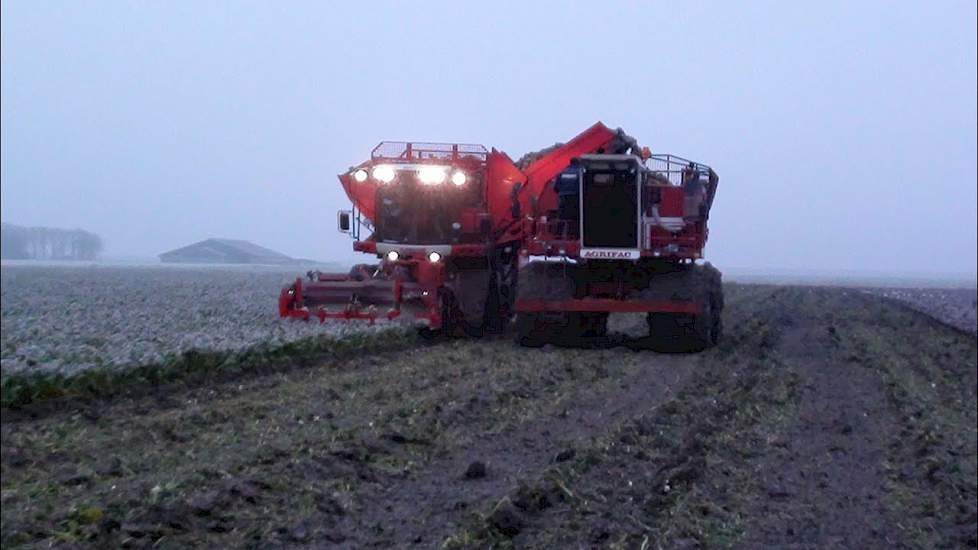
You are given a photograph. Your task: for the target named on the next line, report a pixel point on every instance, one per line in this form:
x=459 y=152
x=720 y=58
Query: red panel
x=548 y=166
x=501 y=176
x=672 y=202
x=430 y=274
x=469 y=220
x=363 y=195
x=370 y=247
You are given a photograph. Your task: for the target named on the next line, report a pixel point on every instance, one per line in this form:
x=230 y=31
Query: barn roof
x=225 y=251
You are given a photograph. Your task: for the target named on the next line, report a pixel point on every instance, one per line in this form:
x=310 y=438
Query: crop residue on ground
x=826 y=417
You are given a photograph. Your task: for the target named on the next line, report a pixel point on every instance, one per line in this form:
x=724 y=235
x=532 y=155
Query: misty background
x=844 y=133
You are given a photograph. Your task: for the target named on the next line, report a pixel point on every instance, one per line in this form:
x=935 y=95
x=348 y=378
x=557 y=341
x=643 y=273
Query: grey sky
x=844 y=133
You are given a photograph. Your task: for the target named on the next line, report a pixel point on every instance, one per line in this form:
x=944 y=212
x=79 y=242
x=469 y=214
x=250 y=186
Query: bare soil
x=826 y=418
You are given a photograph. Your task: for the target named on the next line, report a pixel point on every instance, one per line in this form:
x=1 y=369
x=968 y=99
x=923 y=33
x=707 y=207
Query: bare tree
x=13 y=242
x=47 y=243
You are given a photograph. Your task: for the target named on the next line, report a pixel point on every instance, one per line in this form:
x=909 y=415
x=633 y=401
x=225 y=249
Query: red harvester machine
x=466 y=240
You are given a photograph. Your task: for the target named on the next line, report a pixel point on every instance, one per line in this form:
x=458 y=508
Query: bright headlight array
x=432 y=175
x=427 y=174
x=383 y=173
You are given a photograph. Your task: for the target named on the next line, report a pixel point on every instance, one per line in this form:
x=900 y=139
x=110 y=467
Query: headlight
x=432 y=175
x=392 y=256
x=383 y=173
x=434 y=257
x=458 y=178
x=360 y=176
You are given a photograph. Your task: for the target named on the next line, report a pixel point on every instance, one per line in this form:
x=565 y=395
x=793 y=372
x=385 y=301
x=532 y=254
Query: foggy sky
x=844 y=135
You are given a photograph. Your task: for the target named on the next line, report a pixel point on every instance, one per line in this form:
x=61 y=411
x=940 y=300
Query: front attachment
x=355 y=297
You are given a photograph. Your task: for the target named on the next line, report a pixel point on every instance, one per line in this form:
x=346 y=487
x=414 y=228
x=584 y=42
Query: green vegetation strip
x=24 y=388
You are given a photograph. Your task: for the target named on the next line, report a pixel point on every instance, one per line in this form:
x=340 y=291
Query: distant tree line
x=47 y=243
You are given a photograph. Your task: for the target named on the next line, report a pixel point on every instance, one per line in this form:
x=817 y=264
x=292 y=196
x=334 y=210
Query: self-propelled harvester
x=466 y=242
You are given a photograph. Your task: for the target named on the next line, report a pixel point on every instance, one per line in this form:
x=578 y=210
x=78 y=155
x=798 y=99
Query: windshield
x=410 y=212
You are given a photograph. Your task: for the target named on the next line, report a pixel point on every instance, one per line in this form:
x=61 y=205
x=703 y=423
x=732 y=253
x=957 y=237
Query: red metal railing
x=406 y=151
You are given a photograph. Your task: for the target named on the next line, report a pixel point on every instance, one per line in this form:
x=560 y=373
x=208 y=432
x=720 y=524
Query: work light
x=360 y=176
x=458 y=178
x=432 y=175
x=392 y=256
x=434 y=257
x=384 y=173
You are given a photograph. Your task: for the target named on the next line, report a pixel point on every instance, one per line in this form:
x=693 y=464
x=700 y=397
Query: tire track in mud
x=281 y=459
x=930 y=376
x=427 y=507
x=792 y=434
x=821 y=481
x=643 y=464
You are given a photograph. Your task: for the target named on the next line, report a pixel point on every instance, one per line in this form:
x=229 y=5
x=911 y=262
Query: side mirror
x=344 y=221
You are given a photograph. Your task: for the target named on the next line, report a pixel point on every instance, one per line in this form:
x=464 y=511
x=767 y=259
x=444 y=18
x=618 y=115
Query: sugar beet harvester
x=466 y=240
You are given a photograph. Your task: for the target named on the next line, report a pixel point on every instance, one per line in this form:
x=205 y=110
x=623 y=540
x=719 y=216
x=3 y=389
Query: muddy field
x=827 y=417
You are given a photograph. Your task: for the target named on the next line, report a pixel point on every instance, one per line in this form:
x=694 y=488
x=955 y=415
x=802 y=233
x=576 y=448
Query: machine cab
x=418 y=193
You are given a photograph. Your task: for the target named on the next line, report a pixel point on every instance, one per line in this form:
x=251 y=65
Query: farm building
x=224 y=251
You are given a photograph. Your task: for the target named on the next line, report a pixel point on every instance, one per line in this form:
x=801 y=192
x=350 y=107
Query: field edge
x=190 y=367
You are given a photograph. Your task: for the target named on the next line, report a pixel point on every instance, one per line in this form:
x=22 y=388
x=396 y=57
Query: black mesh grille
x=610 y=211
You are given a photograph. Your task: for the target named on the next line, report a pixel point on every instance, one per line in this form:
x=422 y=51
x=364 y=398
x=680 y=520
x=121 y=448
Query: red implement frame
x=292 y=300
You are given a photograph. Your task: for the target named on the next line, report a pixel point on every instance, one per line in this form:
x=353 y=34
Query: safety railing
x=405 y=151
x=677 y=169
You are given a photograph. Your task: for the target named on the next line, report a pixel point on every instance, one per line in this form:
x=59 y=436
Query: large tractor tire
x=679 y=332
x=452 y=319
x=545 y=281
x=470 y=295
x=499 y=306
x=531 y=330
